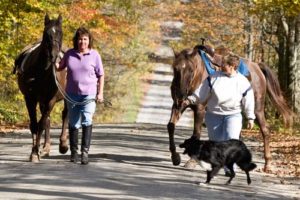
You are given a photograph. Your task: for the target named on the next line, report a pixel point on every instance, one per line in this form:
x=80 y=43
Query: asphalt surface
x=127 y=161
x=157 y=103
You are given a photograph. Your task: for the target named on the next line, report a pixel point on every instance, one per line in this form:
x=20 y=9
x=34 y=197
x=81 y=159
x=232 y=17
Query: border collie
x=220 y=154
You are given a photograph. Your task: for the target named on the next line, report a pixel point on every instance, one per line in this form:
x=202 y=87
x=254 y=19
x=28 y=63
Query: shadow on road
x=127 y=161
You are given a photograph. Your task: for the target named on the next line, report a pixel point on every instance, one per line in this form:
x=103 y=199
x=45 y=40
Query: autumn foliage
x=118 y=33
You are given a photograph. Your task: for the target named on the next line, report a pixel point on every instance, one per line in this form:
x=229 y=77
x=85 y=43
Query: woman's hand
x=185 y=103
x=99 y=98
x=250 y=124
x=58 y=69
x=192 y=99
x=57 y=66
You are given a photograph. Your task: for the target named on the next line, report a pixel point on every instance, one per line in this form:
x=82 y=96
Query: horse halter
x=50 y=43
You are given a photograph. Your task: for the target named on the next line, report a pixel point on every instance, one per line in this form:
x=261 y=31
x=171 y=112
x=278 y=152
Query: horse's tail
x=274 y=91
x=14 y=70
x=16 y=64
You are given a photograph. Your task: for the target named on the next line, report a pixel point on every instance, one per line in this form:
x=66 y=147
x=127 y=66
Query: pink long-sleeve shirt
x=83 y=71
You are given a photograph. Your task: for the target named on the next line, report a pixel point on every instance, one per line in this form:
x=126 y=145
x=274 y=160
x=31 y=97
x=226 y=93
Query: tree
x=120 y=37
x=282 y=19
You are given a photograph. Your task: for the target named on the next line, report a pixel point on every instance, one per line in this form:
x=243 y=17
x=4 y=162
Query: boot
x=73 y=137
x=85 y=143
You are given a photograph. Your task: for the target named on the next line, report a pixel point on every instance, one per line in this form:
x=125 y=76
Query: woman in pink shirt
x=85 y=82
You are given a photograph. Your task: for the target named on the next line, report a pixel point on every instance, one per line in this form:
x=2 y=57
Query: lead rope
x=69 y=99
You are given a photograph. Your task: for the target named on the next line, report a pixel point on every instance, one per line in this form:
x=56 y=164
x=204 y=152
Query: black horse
x=35 y=67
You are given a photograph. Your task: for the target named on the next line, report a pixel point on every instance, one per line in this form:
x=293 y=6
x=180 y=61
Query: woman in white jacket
x=227 y=93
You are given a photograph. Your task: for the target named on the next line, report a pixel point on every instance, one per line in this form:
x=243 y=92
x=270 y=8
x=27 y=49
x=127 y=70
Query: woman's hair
x=232 y=60
x=79 y=32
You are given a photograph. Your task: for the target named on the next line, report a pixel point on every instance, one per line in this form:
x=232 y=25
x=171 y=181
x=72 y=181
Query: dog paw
x=202 y=184
x=227 y=183
x=190 y=164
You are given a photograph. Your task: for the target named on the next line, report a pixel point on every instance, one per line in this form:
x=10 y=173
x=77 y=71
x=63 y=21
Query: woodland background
x=127 y=31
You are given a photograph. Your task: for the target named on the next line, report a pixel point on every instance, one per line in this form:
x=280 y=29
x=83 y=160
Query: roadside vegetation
x=122 y=35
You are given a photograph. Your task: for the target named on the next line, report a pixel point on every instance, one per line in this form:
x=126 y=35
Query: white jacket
x=226 y=95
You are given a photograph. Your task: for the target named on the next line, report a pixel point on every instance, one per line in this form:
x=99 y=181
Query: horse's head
x=188 y=72
x=52 y=36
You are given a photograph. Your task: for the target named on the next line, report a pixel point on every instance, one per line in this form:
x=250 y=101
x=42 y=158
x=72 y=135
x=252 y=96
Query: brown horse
x=35 y=73
x=189 y=72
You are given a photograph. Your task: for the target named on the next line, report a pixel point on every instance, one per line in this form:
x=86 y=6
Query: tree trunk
x=281 y=51
x=294 y=84
x=249 y=37
x=293 y=53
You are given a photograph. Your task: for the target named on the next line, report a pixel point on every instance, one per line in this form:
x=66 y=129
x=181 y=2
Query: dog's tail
x=249 y=167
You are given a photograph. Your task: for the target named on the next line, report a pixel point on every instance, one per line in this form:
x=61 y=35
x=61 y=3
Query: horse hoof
x=267 y=169
x=63 y=149
x=176 y=159
x=44 y=153
x=34 y=158
x=190 y=164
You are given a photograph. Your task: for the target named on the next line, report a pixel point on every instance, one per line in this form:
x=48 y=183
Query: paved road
x=157 y=103
x=128 y=161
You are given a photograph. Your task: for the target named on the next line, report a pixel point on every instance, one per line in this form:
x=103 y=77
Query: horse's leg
x=265 y=131
x=198 y=119
x=31 y=108
x=47 y=143
x=199 y=112
x=175 y=116
x=63 y=145
x=44 y=124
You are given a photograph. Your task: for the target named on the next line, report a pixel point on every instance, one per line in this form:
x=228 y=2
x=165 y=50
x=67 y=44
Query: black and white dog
x=220 y=154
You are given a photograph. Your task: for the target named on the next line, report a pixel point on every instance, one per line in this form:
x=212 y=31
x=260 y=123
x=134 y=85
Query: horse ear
x=175 y=53
x=195 y=51
x=59 y=19
x=47 y=19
